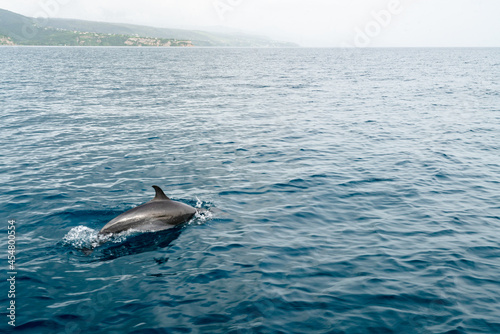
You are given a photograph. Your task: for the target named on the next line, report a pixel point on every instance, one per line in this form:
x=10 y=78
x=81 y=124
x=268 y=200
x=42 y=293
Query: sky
x=310 y=23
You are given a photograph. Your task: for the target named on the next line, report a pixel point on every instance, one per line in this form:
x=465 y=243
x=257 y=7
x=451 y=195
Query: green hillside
x=22 y=30
x=16 y=29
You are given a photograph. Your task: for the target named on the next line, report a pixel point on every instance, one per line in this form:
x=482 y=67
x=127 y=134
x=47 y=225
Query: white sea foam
x=199 y=203
x=83 y=237
x=202 y=215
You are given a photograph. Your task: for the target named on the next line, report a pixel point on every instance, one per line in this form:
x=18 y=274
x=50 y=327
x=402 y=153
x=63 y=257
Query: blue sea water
x=349 y=191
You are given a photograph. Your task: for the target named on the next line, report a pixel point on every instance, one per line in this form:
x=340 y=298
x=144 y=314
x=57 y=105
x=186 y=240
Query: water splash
x=81 y=237
x=199 y=203
x=201 y=217
x=203 y=212
x=85 y=238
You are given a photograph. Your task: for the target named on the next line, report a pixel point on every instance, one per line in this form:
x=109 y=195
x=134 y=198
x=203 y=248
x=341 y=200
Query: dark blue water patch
x=225 y=248
x=291 y=186
x=85 y=215
x=68 y=317
x=40 y=326
x=486 y=252
x=162 y=330
x=360 y=182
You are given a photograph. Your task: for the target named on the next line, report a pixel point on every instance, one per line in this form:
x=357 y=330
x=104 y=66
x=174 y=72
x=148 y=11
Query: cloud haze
x=309 y=23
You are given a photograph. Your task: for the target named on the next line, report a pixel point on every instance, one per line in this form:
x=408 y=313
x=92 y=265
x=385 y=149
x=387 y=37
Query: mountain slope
x=24 y=30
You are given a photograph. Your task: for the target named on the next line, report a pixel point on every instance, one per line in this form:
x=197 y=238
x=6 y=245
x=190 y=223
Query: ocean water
x=348 y=191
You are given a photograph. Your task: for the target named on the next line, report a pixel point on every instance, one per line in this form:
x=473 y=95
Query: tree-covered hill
x=22 y=30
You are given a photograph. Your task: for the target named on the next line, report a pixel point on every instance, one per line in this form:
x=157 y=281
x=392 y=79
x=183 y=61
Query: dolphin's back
x=156 y=215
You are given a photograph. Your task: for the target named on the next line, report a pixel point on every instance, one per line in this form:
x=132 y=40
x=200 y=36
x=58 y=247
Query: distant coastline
x=77 y=38
x=16 y=29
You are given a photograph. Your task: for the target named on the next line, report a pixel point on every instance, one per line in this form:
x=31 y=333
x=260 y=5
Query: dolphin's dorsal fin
x=160 y=195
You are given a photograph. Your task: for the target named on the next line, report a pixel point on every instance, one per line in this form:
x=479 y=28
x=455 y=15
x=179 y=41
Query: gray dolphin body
x=159 y=214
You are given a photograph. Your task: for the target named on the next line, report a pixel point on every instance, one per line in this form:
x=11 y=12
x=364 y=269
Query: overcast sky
x=328 y=23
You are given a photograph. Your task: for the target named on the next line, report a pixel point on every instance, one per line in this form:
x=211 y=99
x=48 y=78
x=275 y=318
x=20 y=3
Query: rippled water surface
x=348 y=191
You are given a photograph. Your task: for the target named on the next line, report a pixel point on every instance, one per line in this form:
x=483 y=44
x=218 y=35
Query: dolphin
x=161 y=213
